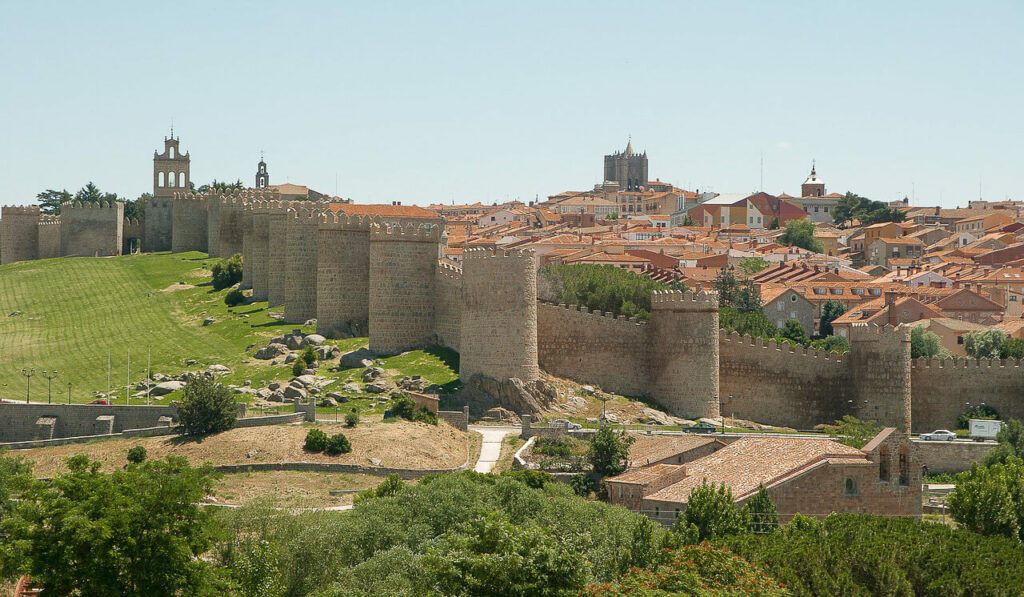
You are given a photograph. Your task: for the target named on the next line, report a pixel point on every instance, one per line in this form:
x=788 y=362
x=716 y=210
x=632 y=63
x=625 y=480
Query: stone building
x=170 y=176
x=627 y=168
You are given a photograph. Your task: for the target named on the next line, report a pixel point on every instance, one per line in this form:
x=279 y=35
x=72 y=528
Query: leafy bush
x=755 y=324
x=712 y=512
x=925 y=344
x=854 y=432
x=227 y=272
x=234 y=297
x=405 y=407
x=308 y=355
x=582 y=485
x=352 y=418
x=298 y=366
x=978 y=411
x=694 y=570
x=1010 y=443
x=206 y=407
x=558 y=448
x=1013 y=348
x=858 y=554
x=986 y=344
x=603 y=287
x=338 y=444
x=608 y=449
x=990 y=499
x=137 y=454
x=388 y=488
x=316 y=441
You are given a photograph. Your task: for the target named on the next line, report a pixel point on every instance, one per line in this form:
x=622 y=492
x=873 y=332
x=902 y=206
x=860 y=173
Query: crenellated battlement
x=342 y=221
x=405 y=233
x=964 y=363
x=485 y=253
x=678 y=300
x=19 y=210
x=448 y=271
x=49 y=220
x=864 y=332
x=72 y=205
x=738 y=340
x=584 y=311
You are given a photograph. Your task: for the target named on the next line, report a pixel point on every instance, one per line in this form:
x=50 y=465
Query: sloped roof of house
x=384 y=211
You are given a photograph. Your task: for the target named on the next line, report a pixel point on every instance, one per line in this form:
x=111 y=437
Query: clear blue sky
x=433 y=101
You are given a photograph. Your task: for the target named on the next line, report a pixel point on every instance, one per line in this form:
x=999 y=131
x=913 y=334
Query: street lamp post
x=49 y=381
x=69 y=392
x=28 y=373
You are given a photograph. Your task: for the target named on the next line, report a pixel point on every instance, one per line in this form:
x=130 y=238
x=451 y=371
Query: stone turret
x=880 y=370
x=189 y=223
x=682 y=352
x=343 y=279
x=403 y=263
x=19 y=233
x=499 y=315
x=91 y=229
x=300 y=282
x=277 y=251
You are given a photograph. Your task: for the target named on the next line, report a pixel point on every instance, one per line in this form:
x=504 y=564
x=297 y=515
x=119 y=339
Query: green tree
x=925 y=344
x=762 y=515
x=1010 y=443
x=136 y=454
x=829 y=312
x=744 y=297
x=316 y=441
x=1013 y=348
x=338 y=444
x=256 y=569
x=977 y=411
x=234 y=297
x=137 y=531
x=227 y=272
x=800 y=233
x=603 y=287
x=990 y=499
x=755 y=324
x=713 y=512
x=493 y=556
x=751 y=265
x=832 y=343
x=854 y=432
x=985 y=344
x=868 y=212
x=607 y=451
x=206 y=407
x=794 y=332
x=50 y=200
x=687 y=221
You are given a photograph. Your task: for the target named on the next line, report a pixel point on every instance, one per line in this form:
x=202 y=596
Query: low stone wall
x=951 y=457
x=296 y=417
x=458 y=419
x=74 y=420
x=332 y=467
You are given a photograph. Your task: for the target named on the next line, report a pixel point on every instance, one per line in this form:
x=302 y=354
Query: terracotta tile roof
x=752 y=461
x=384 y=211
x=652 y=448
x=644 y=475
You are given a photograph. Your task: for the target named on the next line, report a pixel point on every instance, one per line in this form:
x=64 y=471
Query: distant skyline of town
x=445 y=103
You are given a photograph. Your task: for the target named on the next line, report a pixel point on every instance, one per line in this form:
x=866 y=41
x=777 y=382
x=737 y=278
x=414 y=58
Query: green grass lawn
x=73 y=310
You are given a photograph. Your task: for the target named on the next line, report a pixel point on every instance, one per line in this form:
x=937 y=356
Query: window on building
x=657 y=511
x=959 y=339
x=826 y=210
x=883 y=464
x=904 y=467
x=815 y=209
x=620 y=492
x=780 y=306
x=852 y=487
x=792 y=298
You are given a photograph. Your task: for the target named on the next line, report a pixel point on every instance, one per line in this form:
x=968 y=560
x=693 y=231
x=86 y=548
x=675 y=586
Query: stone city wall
x=49 y=237
x=19 y=233
x=91 y=229
x=343 y=274
x=448 y=307
x=776 y=384
x=951 y=457
x=300 y=292
x=133 y=235
x=188 y=227
x=232 y=225
x=277 y=251
x=158 y=223
x=499 y=315
x=943 y=388
x=403 y=265
x=260 y=252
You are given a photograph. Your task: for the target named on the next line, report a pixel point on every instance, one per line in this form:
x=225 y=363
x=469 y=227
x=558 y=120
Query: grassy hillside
x=72 y=311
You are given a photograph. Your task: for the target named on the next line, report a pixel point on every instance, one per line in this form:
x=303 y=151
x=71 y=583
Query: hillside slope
x=65 y=314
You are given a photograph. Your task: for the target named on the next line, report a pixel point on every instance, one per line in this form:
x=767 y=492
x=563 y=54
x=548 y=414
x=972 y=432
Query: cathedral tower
x=627 y=168
x=813 y=186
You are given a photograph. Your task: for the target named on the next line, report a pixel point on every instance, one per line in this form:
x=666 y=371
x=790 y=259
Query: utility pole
x=69 y=392
x=149 y=372
x=128 y=379
x=108 y=371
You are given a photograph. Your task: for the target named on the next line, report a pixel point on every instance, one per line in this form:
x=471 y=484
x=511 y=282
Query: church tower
x=627 y=168
x=262 y=178
x=170 y=169
x=813 y=186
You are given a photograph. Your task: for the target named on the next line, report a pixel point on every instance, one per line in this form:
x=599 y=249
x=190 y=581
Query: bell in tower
x=262 y=178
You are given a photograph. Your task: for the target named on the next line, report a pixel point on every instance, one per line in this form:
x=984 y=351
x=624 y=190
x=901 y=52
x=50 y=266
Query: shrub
x=558 y=448
x=388 y=488
x=607 y=451
x=227 y=272
x=603 y=287
x=582 y=485
x=234 y=297
x=978 y=411
x=298 y=367
x=308 y=355
x=405 y=407
x=352 y=418
x=713 y=512
x=338 y=444
x=854 y=432
x=316 y=441
x=137 y=454
x=206 y=407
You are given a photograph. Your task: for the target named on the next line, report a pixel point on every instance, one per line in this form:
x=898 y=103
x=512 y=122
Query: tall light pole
x=28 y=373
x=69 y=392
x=49 y=380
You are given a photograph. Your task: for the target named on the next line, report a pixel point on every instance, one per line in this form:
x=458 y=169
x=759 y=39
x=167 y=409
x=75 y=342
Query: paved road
x=490 y=451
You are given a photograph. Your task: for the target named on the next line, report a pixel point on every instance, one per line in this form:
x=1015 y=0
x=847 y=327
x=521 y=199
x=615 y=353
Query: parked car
x=103 y=401
x=569 y=425
x=940 y=435
x=701 y=428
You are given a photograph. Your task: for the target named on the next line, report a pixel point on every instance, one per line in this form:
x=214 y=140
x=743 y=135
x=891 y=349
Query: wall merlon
x=405 y=233
x=24 y=210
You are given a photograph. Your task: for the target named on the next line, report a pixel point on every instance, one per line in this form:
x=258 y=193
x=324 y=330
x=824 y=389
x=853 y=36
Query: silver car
x=940 y=435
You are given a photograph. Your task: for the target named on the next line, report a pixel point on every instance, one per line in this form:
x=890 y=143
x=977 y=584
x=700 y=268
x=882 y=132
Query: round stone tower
x=682 y=352
x=343 y=277
x=499 y=315
x=301 y=274
x=403 y=264
x=19 y=233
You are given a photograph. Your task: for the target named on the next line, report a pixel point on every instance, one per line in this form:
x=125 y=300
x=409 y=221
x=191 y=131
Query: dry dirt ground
x=398 y=444
x=290 y=489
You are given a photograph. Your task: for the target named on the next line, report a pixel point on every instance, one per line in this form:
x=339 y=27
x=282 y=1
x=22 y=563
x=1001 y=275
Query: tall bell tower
x=170 y=169
x=262 y=178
